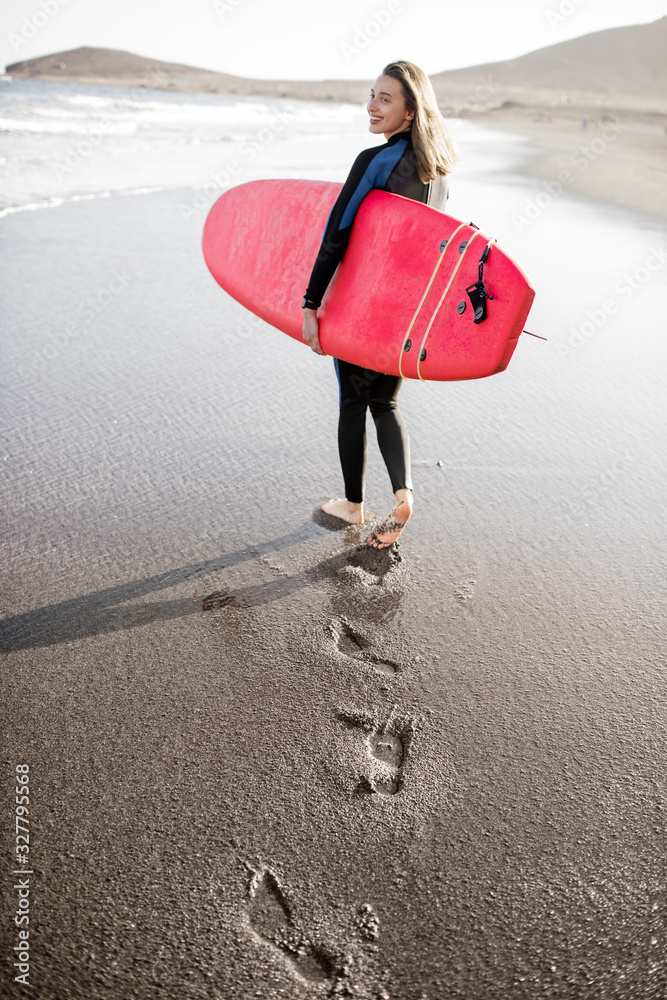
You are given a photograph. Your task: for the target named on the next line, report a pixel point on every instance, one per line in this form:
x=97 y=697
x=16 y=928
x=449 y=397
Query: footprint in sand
x=368 y=922
x=271 y=919
x=353 y=644
x=389 y=750
x=218 y=599
x=465 y=590
x=387 y=746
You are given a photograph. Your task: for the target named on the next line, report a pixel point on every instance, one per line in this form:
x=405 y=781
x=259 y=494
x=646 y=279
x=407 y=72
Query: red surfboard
x=404 y=300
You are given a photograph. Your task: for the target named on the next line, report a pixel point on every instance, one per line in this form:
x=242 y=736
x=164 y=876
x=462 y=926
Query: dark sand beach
x=265 y=762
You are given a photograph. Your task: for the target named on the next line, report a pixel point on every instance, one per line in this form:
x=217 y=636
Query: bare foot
x=353 y=513
x=388 y=530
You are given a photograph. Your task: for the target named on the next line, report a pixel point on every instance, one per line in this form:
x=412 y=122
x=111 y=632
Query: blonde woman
x=414 y=162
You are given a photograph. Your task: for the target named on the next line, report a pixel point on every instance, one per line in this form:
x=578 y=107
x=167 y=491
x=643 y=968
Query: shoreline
x=615 y=159
x=610 y=152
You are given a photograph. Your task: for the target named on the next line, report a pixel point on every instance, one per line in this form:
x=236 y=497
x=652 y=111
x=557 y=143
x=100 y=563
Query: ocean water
x=62 y=141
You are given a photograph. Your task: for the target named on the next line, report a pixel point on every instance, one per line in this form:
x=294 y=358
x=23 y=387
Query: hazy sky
x=310 y=39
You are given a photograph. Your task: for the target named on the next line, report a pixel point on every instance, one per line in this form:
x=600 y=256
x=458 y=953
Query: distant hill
x=626 y=67
x=113 y=66
x=619 y=63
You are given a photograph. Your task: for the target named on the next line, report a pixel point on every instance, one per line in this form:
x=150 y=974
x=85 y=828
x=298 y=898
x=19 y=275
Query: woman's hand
x=311 y=330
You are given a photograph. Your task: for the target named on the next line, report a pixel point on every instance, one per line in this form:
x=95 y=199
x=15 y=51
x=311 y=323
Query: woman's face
x=387 y=108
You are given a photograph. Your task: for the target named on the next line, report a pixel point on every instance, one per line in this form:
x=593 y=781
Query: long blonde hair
x=435 y=150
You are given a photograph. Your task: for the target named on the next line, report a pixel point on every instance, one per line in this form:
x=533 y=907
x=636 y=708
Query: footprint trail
x=271 y=919
x=351 y=643
x=387 y=749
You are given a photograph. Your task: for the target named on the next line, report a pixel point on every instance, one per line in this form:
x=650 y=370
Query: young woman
x=414 y=162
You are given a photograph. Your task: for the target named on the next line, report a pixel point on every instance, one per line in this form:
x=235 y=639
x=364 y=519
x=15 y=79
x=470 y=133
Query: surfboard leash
x=536 y=335
x=476 y=292
x=422 y=352
x=443 y=250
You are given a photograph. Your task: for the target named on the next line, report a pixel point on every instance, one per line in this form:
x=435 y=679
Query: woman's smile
x=386 y=93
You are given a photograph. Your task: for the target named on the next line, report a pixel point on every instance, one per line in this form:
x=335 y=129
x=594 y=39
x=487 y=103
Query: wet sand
x=267 y=763
x=608 y=153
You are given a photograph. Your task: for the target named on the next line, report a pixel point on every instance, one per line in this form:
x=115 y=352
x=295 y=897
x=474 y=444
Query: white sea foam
x=65 y=126
x=31 y=206
x=55 y=202
x=88 y=100
x=63 y=142
x=175 y=111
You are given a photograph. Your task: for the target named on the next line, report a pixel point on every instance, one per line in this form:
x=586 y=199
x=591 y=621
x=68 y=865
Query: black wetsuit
x=390 y=167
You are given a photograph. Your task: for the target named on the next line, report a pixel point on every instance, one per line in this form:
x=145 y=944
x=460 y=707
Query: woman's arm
x=359 y=182
x=371 y=169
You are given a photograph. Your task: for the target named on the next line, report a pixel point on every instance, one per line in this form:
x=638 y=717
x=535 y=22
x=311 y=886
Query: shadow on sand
x=106 y=611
